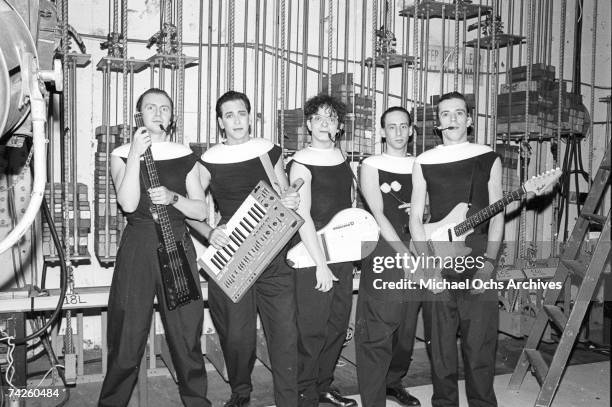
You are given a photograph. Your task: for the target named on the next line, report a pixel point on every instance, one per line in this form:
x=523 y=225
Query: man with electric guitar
x=450 y=174
x=149 y=257
x=323 y=291
x=232 y=169
x=386 y=318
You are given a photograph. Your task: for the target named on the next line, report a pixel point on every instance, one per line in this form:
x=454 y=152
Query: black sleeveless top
x=173 y=161
x=395 y=183
x=459 y=173
x=235 y=170
x=330 y=190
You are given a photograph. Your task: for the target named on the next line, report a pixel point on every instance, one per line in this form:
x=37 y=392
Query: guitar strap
x=267 y=164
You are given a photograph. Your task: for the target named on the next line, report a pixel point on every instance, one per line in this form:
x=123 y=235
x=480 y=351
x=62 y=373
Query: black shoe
x=402 y=396
x=335 y=398
x=237 y=401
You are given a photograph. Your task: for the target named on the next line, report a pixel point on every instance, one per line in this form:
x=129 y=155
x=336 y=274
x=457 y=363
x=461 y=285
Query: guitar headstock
x=543 y=183
x=138 y=120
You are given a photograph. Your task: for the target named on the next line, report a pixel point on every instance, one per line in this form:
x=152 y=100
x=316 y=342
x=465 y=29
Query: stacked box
x=542 y=110
x=67 y=209
x=295 y=129
x=108 y=218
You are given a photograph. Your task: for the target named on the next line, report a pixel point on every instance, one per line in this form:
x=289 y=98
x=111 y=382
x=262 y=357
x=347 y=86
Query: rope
x=554 y=231
x=523 y=225
x=124 y=33
x=115 y=15
x=373 y=70
x=330 y=43
x=282 y=72
x=456 y=75
x=66 y=123
x=415 y=79
x=494 y=82
x=592 y=106
x=181 y=72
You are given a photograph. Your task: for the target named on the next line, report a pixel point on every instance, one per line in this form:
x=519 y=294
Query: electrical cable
x=63 y=277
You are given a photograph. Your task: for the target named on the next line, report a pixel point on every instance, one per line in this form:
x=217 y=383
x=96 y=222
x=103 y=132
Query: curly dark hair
x=324 y=100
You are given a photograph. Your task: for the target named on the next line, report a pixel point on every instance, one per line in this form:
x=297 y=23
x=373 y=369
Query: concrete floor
x=585 y=383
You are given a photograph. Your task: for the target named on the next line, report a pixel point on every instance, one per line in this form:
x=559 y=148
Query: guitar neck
x=488 y=212
x=160 y=211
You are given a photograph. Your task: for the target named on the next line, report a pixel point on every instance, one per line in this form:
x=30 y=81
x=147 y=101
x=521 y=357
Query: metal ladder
x=573 y=262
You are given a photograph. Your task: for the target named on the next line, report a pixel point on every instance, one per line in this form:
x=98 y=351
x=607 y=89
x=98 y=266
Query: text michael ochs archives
x=426 y=265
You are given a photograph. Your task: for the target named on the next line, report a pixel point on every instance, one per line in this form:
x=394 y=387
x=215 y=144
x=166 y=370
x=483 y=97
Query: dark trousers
x=274 y=296
x=384 y=339
x=135 y=283
x=476 y=316
x=323 y=319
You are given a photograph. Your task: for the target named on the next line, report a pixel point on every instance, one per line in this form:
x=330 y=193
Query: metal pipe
x=131 y=103
x=463 y=52
x=443 y=56
x=304 y=52
x=346 y=41
x=364 y=13
x=256 y=73
x=230 y=44
x=244 y=45
x=477 y=76
x=209 y=73
x=276 y=14
x=321 y=42
x=218 y=78
x=74 y=155
x=426 y=75
x=200 y=42
x=107 y=176
x=263 y=67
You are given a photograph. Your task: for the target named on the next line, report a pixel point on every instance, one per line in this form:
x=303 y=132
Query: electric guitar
x=350 y=235
x=180 y=288
x=455 y=227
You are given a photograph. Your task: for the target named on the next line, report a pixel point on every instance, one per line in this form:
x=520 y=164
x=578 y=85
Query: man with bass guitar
x=138 y=278
x=452 y=173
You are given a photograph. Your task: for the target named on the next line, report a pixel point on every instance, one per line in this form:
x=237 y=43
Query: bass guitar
x=350 y=235
x=455 y=227
x=180 y=288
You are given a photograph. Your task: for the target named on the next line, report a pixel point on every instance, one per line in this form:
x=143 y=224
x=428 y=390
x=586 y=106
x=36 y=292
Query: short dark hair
x=324 y=100
x=394 y=109
x=453 y=95
x=232 y=95
x=155 y=91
